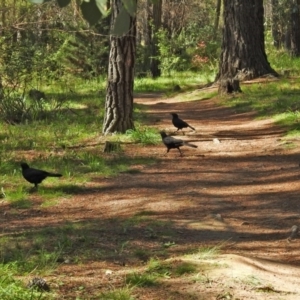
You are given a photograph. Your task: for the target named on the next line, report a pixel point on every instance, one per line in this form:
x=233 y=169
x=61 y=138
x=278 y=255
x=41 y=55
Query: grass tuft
x=117 y=294
x=11 y=288
x=185 y=268
x=141 y=280
x=277 y=100
x=166 y=84
x=144 y=135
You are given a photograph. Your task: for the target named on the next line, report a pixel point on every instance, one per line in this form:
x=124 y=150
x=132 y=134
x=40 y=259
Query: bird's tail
x=54 y=175
x=191 y=127
x=190 y=145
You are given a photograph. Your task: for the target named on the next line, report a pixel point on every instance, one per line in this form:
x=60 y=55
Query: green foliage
x=122 y=22
x=85 y=54
x=16 y=108
x=94 y=10
x=172 y=55
x=27 y=62
x=202 y=46
x=190 y=49
x=63 y=3
x=103 y=7
x=90 y=12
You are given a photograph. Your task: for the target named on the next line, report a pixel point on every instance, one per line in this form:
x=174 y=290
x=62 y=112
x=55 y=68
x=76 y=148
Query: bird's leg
x=32 y=189
x=180 y=151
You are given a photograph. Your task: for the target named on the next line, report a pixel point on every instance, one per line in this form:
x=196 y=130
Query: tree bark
x=119 y=92
x=217 y=17
x=275 y=24
x=243 y=54
x=295 y=27
x=155 y=62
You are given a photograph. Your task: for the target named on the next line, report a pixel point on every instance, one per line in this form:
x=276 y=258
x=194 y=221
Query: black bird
x=35 y=176
x=178 y=123
x=172 y=143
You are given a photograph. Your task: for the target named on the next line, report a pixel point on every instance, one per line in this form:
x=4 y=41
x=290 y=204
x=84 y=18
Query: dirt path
x=240 y=186
x=242 y=170
x=238 y=189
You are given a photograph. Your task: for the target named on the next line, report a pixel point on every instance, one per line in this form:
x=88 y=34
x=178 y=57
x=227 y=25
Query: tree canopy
x=94 y=10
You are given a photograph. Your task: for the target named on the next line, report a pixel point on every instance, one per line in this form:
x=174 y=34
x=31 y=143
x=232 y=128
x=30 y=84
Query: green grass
x=278 y=100
x=185 y=268
x=142 y=254
x=280 y=59
x=165 y=84
x=170 y=268
x=77 y=167
x=204 y=253
x=146 y=213
x=118 y=294
x=141 y=280
x=69 y=142
x=252 y=280
x=21 y=203
x=282 y=62
x=144 y=135
x=23 y=255
x=12 y=289
x=159 y=268
x=18 y=198
x=60 y=141
x=39 y=250
x=197 y=95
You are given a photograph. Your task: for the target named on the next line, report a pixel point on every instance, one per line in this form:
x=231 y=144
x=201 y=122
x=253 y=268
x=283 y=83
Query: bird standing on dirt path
x=35 y=176
x=179 y=123
x=172 y=143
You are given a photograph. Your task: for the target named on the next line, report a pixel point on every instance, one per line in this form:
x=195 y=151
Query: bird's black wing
x=169 y=140
x=32 y=174
x=183 y=123
x=180 y=123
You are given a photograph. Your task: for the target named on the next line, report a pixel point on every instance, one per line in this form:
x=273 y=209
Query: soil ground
x=239 y=190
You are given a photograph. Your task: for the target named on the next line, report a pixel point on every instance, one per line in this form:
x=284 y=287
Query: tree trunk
x=155 y=62
x=295 y=27
x=217 y=17
x=275 y=24
x=243 y=54
x=287 y=38
x=119 y=91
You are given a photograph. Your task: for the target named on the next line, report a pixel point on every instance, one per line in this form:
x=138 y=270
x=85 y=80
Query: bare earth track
x=239 y=190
